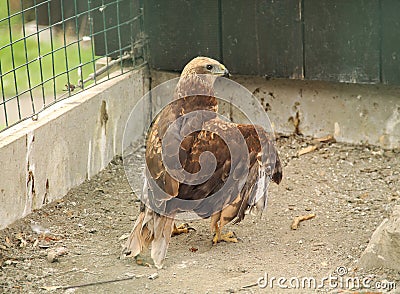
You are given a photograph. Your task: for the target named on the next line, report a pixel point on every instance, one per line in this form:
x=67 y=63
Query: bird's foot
x=141 y=260
x=228 y=237
x=182 y=229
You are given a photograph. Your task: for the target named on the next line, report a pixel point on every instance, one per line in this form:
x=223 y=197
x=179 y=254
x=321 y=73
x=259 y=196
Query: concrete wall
x=353 y=113
x=70 y=142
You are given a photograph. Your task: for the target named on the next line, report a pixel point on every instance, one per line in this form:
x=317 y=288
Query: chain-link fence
x=52 y=49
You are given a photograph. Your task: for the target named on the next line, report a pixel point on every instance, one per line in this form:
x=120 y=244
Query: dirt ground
x=74 y=245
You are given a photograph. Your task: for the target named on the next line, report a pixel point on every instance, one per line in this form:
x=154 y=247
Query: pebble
x=153 y=276
x=52 y=256
x=242 y=270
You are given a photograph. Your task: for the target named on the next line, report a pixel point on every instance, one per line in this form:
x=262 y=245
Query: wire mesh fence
x=52 y=49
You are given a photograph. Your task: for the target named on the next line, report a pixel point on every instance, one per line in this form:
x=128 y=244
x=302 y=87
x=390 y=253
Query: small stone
x=318 y=244
x=242 y=270
x=52 y=256
x=9 y=262
x=124 y=237
x=153 y=276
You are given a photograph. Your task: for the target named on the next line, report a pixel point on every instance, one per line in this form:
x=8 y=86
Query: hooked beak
x=220 y=71
x=226 y=73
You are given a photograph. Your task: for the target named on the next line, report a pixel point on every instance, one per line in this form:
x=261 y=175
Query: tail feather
x=150 y=229
x=163 y=227
x=140 y=237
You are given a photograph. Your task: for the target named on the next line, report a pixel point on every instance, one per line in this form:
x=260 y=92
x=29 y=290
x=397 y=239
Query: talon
x=186 y=226
x=183 y=226
x=228 y=237
x=215 y=240
x=182 y=229
x=230 y=234
x=142 y=261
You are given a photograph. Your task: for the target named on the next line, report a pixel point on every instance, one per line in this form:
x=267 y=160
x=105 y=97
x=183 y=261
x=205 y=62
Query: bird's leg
x=222 y=219
x=181 y=229
x=217 y=236
x=228 y=237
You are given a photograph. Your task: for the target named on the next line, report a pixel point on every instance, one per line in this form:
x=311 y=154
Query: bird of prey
x=199 y=162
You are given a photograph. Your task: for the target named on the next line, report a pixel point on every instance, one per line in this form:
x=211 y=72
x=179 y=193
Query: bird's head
x=198 y=77
x=205 y=66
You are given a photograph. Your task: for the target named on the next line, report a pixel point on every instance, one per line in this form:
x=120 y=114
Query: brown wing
x=265 y=165
x=228 y=148
x=181 y=195
x=224 y=182
x=170 y=138
x=261 y=143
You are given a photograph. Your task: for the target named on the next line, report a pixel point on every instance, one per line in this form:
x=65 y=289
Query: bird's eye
x=209 y=67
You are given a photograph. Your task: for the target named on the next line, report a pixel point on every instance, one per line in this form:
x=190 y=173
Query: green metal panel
x=342 y=40
x=391 y=42
x=333 y=40
x=60 y=10
x=113 y=25
x=180 y=30
x=263 y=37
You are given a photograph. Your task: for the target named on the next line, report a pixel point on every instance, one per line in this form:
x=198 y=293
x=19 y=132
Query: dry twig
x=298 y=219
x=53 y=288
x=307 y=149
x=328 y=138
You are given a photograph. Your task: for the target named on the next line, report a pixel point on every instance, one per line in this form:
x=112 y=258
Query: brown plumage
x=178 y=180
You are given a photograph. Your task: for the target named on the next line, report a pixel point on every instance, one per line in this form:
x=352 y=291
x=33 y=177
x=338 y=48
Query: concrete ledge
x=70 y=142
x=353 y=113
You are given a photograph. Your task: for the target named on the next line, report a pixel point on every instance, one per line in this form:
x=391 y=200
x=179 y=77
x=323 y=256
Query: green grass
x=26 y=54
